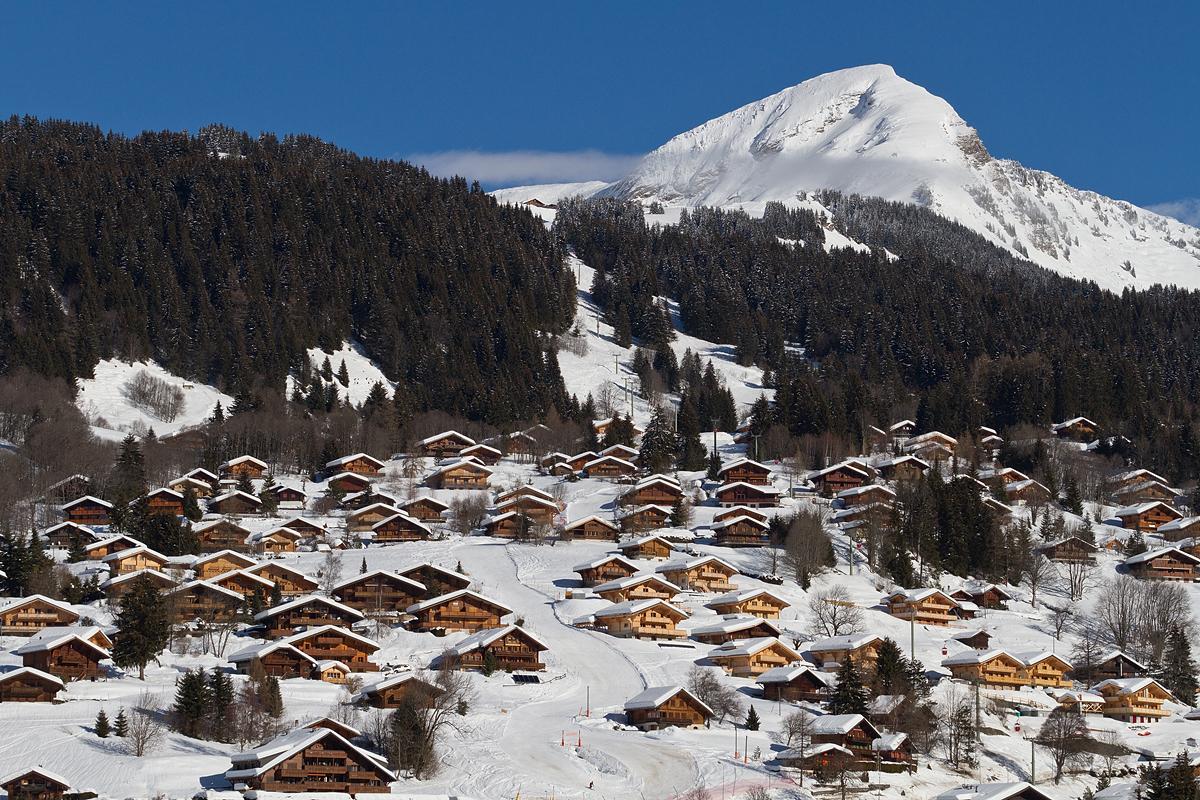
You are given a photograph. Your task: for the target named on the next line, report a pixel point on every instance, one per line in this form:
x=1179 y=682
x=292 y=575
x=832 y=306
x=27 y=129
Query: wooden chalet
x=335 y=672
x=538 y=509
x=734 y=628
x=348 y=482
x=837 y=478
x=308 y=611
x=637 y=587
x=704 y=574
x=647 y=547
x=657 y=490
x=925 y=606
x=202 y=474
x=220 y=562
x=577 y=462
x=441 y=445
x=748 y=658
x=34 y=784
x=1132 y=477
x=67 y=653
x=436 y=580
x=249 y=466
x=29 y=685
x=463 y=474
x=550 y=459
x=931 y=446
x=1002 y=476
x=379 y=592
x=363 y=518
x=221 y=534
x=601 y=427
x=371 y=496
x=88 y=510
x=426 y=509
x=664 y=707
x=360 y=463
x=609 y=467
x=1164 y=564
x=902 y=469
x=867 y=494
x=276 y=659
x=509 y=525
x=1045 y=669
x=68 y=534
x=462 y=610
x=399 y=528
x=506 y=648
x=247 y=584
x=902 y=430
x=1002 y=669
x=235 y=503
x=853 y=732
x=861 y=648
x=134 y=559
x=276 y=540
x=203 y=600
x=984 y=595
x=289 y=581
x=745 y=470
x=755 y=602
x=307 y=760
x=391 y=692
x=1069 y=549
x=639 y=619
x=604 y=569
x=1027 y=491
x=331 y=643
x=483 y=453
x=1078 y=429
x=1117 y=665
x=645 y=518
x=739 y=511
x=798 y=683
x=740 y=531
x=164 y=501
x=622 y=451
x=289 y=497
x=1134 y=700
x=1145 y=492
x=117 y=586
x=1147 y=516
x=25 y=616
x=1001 y=512
x=593 y=528
x=747 y=494
x=1180 y=529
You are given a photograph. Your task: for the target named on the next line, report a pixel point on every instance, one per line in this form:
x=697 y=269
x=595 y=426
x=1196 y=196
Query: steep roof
x=655 y=696
x=485 y=637
x=445 y=598
x=308 y=599
x=253 y=763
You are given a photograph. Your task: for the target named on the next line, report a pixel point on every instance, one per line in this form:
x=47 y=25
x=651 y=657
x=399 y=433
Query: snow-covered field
x=104 y=403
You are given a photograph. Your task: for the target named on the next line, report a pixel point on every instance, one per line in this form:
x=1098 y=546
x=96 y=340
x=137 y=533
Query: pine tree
x=270 y=500
x=220 y=714
x=218 y=415
x=658 y=443
x=489 y=662
x=890 y=669
x=191 y=508
x=326 y=370
x=101 y=727
x=714 y=466
x=143 y=627
x=752 y=720
x=849 y=696
x=272 y=699
x=121 y=724
x=1179 y=669
x=191 y=706
x=343 y=375
x=244 y=484
x=1072 y=500
x=362 y=568
x=692 y=453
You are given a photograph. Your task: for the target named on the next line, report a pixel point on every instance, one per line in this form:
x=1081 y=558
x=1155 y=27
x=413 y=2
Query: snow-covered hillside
x=866 y=130
x=105 y=402
x=361 y=370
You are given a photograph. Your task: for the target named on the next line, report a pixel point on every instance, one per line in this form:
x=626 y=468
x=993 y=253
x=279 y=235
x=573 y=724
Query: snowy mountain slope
x=866 y=130
x=104 y=403
x=362 y=371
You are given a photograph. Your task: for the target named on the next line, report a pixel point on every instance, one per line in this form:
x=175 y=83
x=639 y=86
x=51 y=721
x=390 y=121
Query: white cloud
x=527 y=166
x=1186 y=210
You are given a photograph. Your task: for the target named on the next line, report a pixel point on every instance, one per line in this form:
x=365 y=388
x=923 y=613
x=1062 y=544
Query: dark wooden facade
x=306 y=612
x=72 y=660
x=222 y=534
x=379 y=592
x=89 y=511
x=458 y=611
x=27 y=685
x=337 y=644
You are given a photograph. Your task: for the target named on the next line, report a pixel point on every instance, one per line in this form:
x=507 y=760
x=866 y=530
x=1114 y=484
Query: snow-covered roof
x=244 y=573
x=233 y=462
x=18 y=602
x=463 y=462
x=87 y=498
x=199 y=584
x=1181 y=524
x=309 y=599
x=1129 y=685
x=742 y=595
x=634 y=580
x=416 y=586
x=232 y=555
x=641 y=540
x=1110 y=655
x=485 y=637
x=768 y=490
x=889 y=741
x=969 y=657
x=743 y=462
x=1159 y=552
x=790 y=673
x=125 y=577
x=655 y=696
x=604 y=560
x=445 y=598
x=610 y=459
x=1134 y=474
x=446 y=435
x=1142 y=508
x=1143 y=486
x=385 y=684
x=896 y=461
x=338 y=462
x=527 y=499
x=635 y=607
x=839 y=724
x=591 y=518
x=50 y=638
x=740 y=519
x=35 y=672
x=133 y=551
x=321 y=630
x=904 y=423
x=433 y=501
x=734 y=623
x=885 y=703
x=258 y=761
x=692 y=563
x=794 y=753
x=42 y=771
x=865 y=489
x=917 y=595
x=1058 y=426
x=265 y=648
x=748 y=647
x=235 y=493
x=993 y=791
x=851 y=641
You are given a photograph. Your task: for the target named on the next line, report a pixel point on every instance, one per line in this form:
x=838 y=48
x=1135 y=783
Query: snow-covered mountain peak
x=869 y=131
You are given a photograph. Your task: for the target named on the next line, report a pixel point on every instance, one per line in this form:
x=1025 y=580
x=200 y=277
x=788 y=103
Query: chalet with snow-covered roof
x=134 y=559
x=740 y=531
x=164 y=501
x=25 y=616
x=637 y=587
x=1147 y=516
x=221 y=534
x=1000 y=512
x=975 y=639
x=305 y=527
x=29 y=685
x=234 y=503
x=704 y=574
x=579 y=460
x=609 y=467
x=379 y=592
x=903 y=429
x=349 y=482
x=933 y=443
x=868 y=494
x=748 y=658
x=37 y=783
x=67 y=653
x=202 y=474
x=483 y=453
x=654 y=490
x=745 y=470
x=309 y=611
x=1117 y=665
x=639 y=619
x=795 y=683
x=442 y=445
x=1180 y=529
x=331 y=643
x=854 y=732
x=1027 y=491
x=199 y=489
x=507 y=648
x=249 y=466
x=666 y=706
x=362 y=519
x=509 y=525
x=462 y=610
x=220 y=562
x=1019 y=790
x=436 y=580
x=1044 y=669
x=734 y=628
x=902 y=468
x=1134 y=700
x=755 y=602
x=1002 y=476
x=985 y=595
x=426 y=509
x=622 y=451
x=90 y=511
x=604 y=569
x=1078 y=429
x=68 y=534
x=117 y=586
x=462 y=474
x=1068 y=549
x=594 y=528
x=645 y=518
x=250 y=586
x=861 y=648
x=307 y=760
x=203 y=600
x=747 y=494
x=361 y=463
x=837 y=478
x=399 y=528
x=276 y=659
x=289 y=497
x=925 y=606
x=647 y=547
x=290 y=582
x=1004 y=669
x=1145 y=492
x=393 y=690
x=1164 y=564
x=357 y=501
x=538 y=509
x=276 y=540
x=550 y=459
x=601 y=427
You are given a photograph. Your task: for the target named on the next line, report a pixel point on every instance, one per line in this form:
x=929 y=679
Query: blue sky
x=1102 y=94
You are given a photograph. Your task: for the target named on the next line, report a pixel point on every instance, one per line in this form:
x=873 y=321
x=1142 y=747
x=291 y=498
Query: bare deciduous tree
x=710 y=690
x=331 y=570
x=1038 y=572
x=834 y=613
x=1079 y=576
x=145 y=725
x=1066 y=736
x=468 y=513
